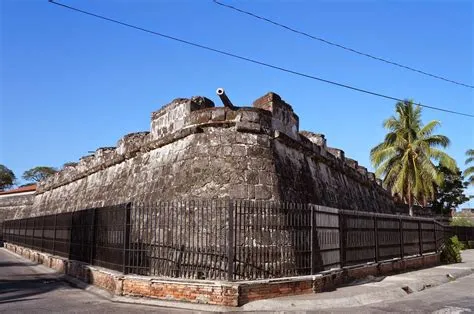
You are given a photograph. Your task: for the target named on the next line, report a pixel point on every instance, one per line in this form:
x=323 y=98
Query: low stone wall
x=217 y=292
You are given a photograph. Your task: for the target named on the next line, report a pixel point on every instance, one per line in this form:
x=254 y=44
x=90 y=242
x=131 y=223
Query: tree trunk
x=410 y=201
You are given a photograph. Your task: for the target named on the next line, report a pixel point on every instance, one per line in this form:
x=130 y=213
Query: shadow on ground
x=11 y=264
x=26 y=286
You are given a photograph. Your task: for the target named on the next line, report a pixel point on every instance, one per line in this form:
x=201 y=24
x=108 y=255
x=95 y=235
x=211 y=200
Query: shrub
x=451 y=252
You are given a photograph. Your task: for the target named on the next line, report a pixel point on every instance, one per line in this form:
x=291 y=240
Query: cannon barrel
x=225 y=100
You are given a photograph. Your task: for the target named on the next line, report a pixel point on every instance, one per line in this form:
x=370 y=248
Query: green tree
x=38 y=173
x=7 y=178
x=469 y=172
x=405 y=159
x=450 y=194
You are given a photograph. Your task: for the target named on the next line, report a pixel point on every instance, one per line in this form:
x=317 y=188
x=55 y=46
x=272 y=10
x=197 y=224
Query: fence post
x=313 y=239
x=342 y=240
x=230 y=240
x=126 y=238
x=32 y=245
x=25 y=222
x=70 y=233
x=420 y=238
x=402 y=238
x=376 y=239
x=92 y=242
x=42 y=235
x=54 y=236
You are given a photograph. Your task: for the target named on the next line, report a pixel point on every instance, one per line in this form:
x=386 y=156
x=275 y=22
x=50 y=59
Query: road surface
x=28 y=288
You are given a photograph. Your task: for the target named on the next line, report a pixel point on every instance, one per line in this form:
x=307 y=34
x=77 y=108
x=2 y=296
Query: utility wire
x=341 y=46
x=253 y=60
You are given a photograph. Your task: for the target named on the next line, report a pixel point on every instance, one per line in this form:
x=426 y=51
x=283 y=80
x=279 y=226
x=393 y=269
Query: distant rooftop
x=24 y=189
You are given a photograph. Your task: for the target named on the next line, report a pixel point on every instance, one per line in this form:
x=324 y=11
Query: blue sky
x=71 y=83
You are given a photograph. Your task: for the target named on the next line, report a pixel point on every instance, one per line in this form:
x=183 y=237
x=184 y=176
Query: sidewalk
x=372 y=290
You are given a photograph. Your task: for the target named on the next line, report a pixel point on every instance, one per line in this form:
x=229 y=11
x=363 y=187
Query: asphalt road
x=29 y=288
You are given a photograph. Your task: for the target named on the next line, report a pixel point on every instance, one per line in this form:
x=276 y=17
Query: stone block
x=251 y=192
x=318 y=139
x=218 y=114
x=238 y=192
x=239 y=150
x=263 y=192
x=338 y=153
x=265 y=178
x=200 y=117
x=249 y=116
x=252 y=177
x=231 y=115
x=245 y=126
x=371 y=176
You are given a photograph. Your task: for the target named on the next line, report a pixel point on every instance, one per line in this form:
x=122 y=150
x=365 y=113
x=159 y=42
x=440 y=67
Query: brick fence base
x=217 y=292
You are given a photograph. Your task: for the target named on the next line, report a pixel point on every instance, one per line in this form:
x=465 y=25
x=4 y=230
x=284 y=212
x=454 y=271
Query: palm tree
x=469 y=172
x=405 y=158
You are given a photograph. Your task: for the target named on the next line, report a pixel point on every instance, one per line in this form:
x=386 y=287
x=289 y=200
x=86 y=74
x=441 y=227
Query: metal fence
x=227 y=240
x=463 y=233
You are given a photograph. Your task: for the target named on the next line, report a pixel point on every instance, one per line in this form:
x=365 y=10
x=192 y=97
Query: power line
x=253 y=60
x=340 y=46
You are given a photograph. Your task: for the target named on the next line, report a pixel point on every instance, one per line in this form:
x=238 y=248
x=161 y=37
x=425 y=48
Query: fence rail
x=228 y=240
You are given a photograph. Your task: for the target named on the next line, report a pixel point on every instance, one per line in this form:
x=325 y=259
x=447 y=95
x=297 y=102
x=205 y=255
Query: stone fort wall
x=13 y=205
x=196 y=150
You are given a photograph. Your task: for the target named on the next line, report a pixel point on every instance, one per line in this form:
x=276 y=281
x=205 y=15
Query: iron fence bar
x=376 y=239
x=70 y=232
x=402 y=239
x=231 y=241
x=420 y=238
x=54 y=232
x=42 y=235
x=33 y=233
x=82 y=225
x=126 y=237
x=313 y=239
x=92 y=242
x=342 y=244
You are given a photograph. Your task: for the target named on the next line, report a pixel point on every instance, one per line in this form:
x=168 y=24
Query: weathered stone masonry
x=197 y=150
x=12 y=205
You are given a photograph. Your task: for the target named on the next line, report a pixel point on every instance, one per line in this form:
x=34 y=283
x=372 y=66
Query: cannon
x=225 y=100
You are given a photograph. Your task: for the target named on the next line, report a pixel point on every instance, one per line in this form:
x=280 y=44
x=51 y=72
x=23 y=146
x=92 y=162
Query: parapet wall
x=197 y=150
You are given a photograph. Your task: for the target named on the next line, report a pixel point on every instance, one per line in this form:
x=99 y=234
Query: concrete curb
x=381 y=295
x=321 y=304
